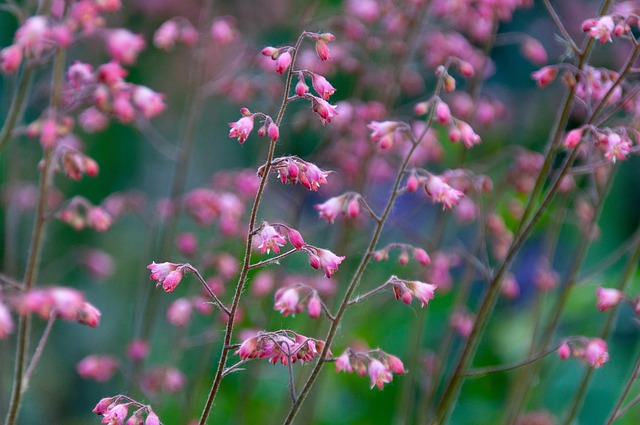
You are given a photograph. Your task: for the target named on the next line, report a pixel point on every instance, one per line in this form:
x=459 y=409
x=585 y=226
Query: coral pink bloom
x=97 y=368
x=33 y=36
x=295 y=238
x=441 y=192
x=149 y=102
x=544 y=76
x=283 y=62
x=248 y=349
x=328 y=261
x=343 y=363
x=314 y=307
x=422 y=291
x=618 y=147
x=270 y=239
x=602 y=29
x=167 y=274
x=401 y=292
x=608 y=298
x=322 y=86
x=564 y=351
x=10 y=59
x=324 y=109
x=395 y=364
x=166 y=35
x=88 y=315
x=573 y=138
x=124 y=46
x=378 y=374
x=152 y=419
x=330 y=209
x=241 y=128
x=286 y=301
x=595 y=353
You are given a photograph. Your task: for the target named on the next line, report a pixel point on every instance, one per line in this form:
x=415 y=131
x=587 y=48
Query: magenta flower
x=379 y=374
x=422 y=291
x=325 y=259
x=441 y=192
x=283 y=62
x=330 y=209
x=124 y=46
x=98 y=368
x=564 y=351
x=10 y=59
x=314 y=307
x=286 y=301
x=383 y=132
x=617 y=147
x=116 y=415
x=168 y=275
x=248 y=349
x=343 y=363
x=608 y=298
x=270 y=239
x=241 y=128
x=395 y=364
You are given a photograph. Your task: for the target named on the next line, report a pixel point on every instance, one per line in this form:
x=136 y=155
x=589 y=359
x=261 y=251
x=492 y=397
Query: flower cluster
x=61 y=302
x=292 y=169
x=405 y=290
x=282 y=346
x=167 y=274
x=346 y=204
x=288 y=301
x=79 y=213
x=419 y=254
x=114 y=412
x=175 y=30
x=323 y=259
x=380 y=366
x=593 y=351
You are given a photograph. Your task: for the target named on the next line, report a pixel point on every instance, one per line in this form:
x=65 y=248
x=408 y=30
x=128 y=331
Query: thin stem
x=35 y=249
x=16 y=108
x=503 y=368
x=367 y=294
x=208 y=289
x=560 y=25
x=272 y=259
x=242 y=279
x=618 y=410
x=38 y=353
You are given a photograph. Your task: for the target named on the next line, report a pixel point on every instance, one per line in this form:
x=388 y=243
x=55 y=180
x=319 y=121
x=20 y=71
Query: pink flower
x=99 y=219
x=564 y=351
x=270 y=239
x=608 y=298
x=124 y=46
x=179 y=312
x=33 y=36
x=166 y=35
x=167 y=274
x=295 y=238
x=273 y=131
x=395 y=364
x=314 y=307
x=421 y=256
x=330 y=209
x=325 y=259
x=88 y=315
x=544 y=76
x=223 y=31
x=187 y=243
x=322 y=50
x=6 y=322
x=10 y=59
x=283 y=62
x=534 y=51
x=422 y=291
x=148 y=102
x=443 y=113
x=322 y=86
x=343 y=363
x=595 y=353
x=617 y=147
x=137 y=350
x=98 y=368
x=573 y=138
x=383 y=132
x=152 y=419
x=310 y=176
x=248 y=349
x=103 y=405
x=286 y=301
x=378 y=374
x=441 y=192
x=324 y=109
x=241 y=128
x=116 y=415
x=600 y=29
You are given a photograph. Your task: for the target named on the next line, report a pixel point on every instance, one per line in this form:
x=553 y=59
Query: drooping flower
x=595 y=353
x=383 y=132
x=325 y=259
x=167 y=274
x=270 y=239
x=379 y=374
x=286 y=301
x=343 y=363
x=241 y=128
x=441 y=192
x=322 y=86
x=323 y=109
x=330 y=209
x=608 y=298
x=422 y=291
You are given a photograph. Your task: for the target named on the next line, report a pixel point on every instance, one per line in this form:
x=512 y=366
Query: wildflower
x=99 y=219
x=152 y=419
x=10 y=59
x=33 y=36
x=322 y=86
x=383 y=132
x=137 y=350
x=314 y=306
x=148 y=102
x=167 y=274
x=330 y=208
x=600 y=29
x=564 y=351
x=395 y=364
x=595 y=353
x=270 y=239
x=241 y=128
x=343 y=363
x=88 y=315
x=223 y=31
x=573 y=138
x=311 y=176
x=608 y=298
x=534 y=51
x=283 y=62
x=295 y=238
x=248 y=349
x=422 y=291
x=273 y=131
x=544 y=76
x=617 y=147
x=124 y=46
x=379 y=374
x=103 y=405
x=441 y=192
x=166 y=35
x=98 y=368
x=443 y=113
x=324 y=109
x=287 y=301
x=325 y=259
x=116 y=414
x=301 y=87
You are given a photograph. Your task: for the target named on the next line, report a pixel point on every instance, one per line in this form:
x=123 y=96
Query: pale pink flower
x=422 y=291
x=98 y=368
x=314 y=307
x=99 y=219
x=223 y=30
x=330 y=209
x=322 y=86
x=10 y=59
x=286 y=301
x=323 y=109
x=270 y=239
x=166 y=35
x=441 y=192
x=6 y=322
x=379 y=374
x=325 y=259
x=33 y=36
x=443 y=113
x=179 y=312
x=138 y=350
x=241 y=128
x=595 y=353
x=124 y=46
x=383 y=132
x=92 y=120
x=148 y=102
x=122 y=107
x=462 y=323
x=608 y=298
x=152 y=419
x=617 y=147
x=601 y=29
x=343 y=363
